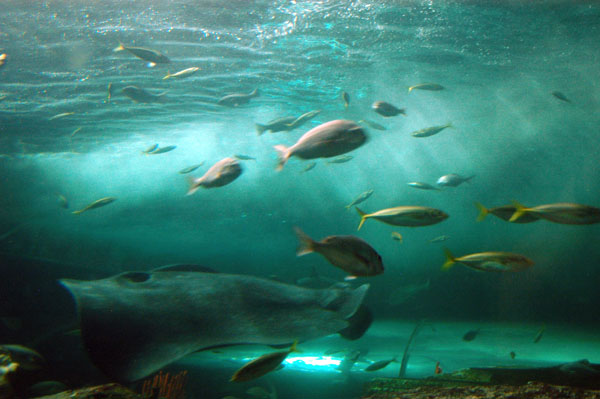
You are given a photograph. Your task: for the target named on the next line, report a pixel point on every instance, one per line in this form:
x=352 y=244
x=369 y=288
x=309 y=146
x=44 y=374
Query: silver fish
x=96 y=204
x=190 y=168
x=243 y=157
x=276 y=125
x=409 y=216
x=422 y=186
x=380 y=364
x=237 y=99
x=152 y=56
x=220 y=174
x=341 y=159
x=162 y=150
x=182 y=74
x=361 y=198
x=309 y=166
x=302 y=119
x=560 y=96
x=430 y=131
x=452 y=180
x=140 y=95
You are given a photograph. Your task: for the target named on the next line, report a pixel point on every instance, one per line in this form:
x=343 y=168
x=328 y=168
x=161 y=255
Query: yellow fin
x=294 y=348
x=483 y=211
x=363 y=217
x=411 y=88
x=307 y=245
x=450 y=260
x=520 y=211
x=120 y=48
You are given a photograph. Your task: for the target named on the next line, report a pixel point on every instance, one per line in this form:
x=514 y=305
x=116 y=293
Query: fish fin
x=77 y=212
x=520 y=211
x=119 y=48
x=260 y=129
x=450 y=260
x=167 y=76
x=283 y=154
x=359 y=323
x=255 y=93
x=307 y=244
x=193 y=186
x=402 y=111
x=350 y=278
x=294 y=348
x=411 y=88
x=483 y=211
x=363 y=217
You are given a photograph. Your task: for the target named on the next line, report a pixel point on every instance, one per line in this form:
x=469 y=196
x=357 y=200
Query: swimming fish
x=560 y=96
x=346 y=99
x=191 y=168
x=182 y=74
x=59 y=116
x=133 y=324
x=96 y=204
x=489 y=261
x=162 y=150
x=409 y=216
x=439 y=239
x=430 y=131
x=341 y=159
x=404 y=292
x=505 y=212
x=452 y=180
x=152 y=56
x=539 y=334
x=220 y=174
x=237 y=99
x=109 y=92
x=372 y=125
x=361 y=198
x=324 y=141
x=262 y=365
x=302 y=119
x=422 y=186
x=276 y=125
x=426 y=86
x=243 y=157
x=397 y=236
x=3 y=58
x=380 y=364
x=471 y=335
x=386 y=109
x=309 y=166
x=150 y=149
x=563 y=213
x=351 y=254
x=140 y=95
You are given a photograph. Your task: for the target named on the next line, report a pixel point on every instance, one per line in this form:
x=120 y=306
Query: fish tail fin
x=363 y=217
x=119 y=48
x=520 y=211
x=450 y=125
x=294 y=348
x=468 y=179
x=193 y=185
x=77 y=212
x=255 y=93
x=260 y=129
x=450 y=259
x=483 y=211
x=167 y=76
x=307 y=244
x=411 y=88
x=402 y=111
x=284 y=154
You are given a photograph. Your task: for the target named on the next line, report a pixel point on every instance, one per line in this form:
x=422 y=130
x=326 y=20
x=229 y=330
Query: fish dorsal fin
x=184 y=267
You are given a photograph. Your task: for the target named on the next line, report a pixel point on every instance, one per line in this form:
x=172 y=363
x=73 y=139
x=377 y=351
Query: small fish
x=430 y=131
x=489 y=261
x=162 y=150
x=76 y=131
x=58 y=116
x=505 y=212
x=438 y=369
x=150 y=149
x=471 y=335
x=372 y=125
x=309 y=166
x=342 y=159
x=452 y=180
x=190 y=168
x=62 y=201
x=397 y=236
x=361 y=198
x=220 y=174
x=409 y=216
x=140 y=95
x=560 y=96
x=3 y=58
x=513 y=355
x=386 y=109
x=324 y=141
x=276 y=125
x=349 y=253
x=346 y=99
x=426 y=86
x=96 y=204
x=563 y=213
x=539 y=334
x=439 y=239
x=380 y=364
x=422 y=186
x=302 y=119
x=109 y=90
x=243 y=157
x=182 y=74
x=262 y=365
x=152 y=56
x=237 y=99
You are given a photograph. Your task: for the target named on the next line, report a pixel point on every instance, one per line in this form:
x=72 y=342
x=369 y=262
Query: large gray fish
x=452 y=180
x=324 y=141
x=505 y=212
x=302 y=119
x=409 y=216
x=563 y=213
x=276 y=125
x=140 y=95
x=386 y=109
x=426 y=86
x=135 y=323
x=223 y=172
x=152 y=56
x=237 y=99
x=489 y=261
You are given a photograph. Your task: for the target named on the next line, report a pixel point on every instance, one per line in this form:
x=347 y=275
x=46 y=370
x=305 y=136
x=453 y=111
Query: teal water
x=498 y=61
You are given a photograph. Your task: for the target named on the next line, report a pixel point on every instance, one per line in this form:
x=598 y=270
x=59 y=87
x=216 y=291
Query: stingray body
x=134 y=323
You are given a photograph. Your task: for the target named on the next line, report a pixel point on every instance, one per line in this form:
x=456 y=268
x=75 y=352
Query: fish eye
x=136 y=277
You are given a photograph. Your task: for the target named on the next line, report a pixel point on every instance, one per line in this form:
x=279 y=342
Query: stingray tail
x=307 y=244
x=520 y=210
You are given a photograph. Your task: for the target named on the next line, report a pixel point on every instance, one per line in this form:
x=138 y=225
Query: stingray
x=135 y=323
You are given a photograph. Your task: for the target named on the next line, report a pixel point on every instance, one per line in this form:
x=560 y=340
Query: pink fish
x=223 y=172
